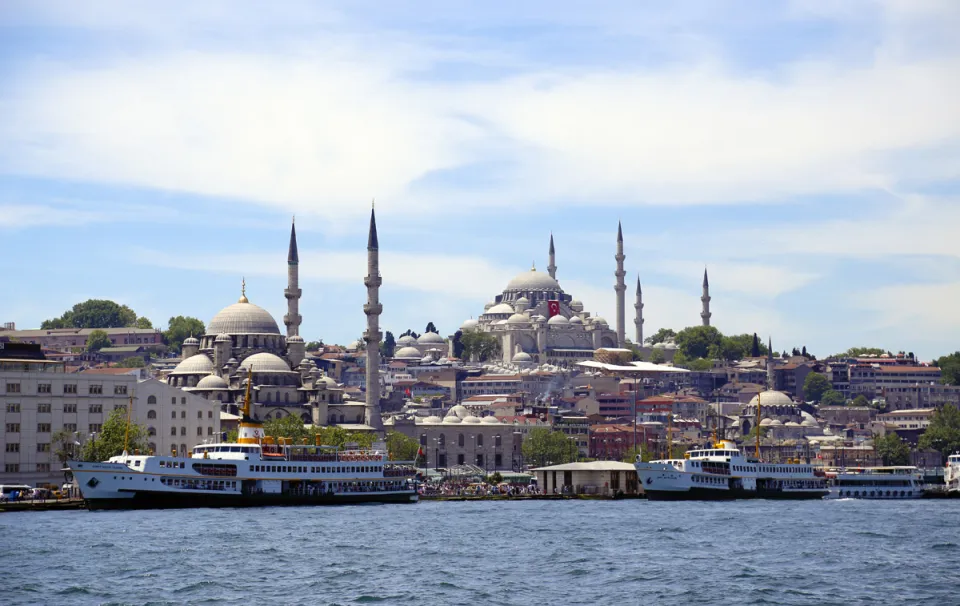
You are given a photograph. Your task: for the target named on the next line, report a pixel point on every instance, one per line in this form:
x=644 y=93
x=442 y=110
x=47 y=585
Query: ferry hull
x=171 y=500
x=708 y=494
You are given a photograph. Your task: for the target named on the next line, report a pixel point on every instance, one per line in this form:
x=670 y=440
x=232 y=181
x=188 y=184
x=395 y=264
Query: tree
x=943 y=433
x=479 y=345
x=803 y=352
x=545 y=447
x=660 y=336
x=832 y=398
x=657 y=356
x=131 y=362
x=430 y=327
x=636 y=355
x=892 y=449
x=949 y=368
x=388 y=345
x=290 y=426
x=94 y=313
x=63 y=444
x=179 y=328
x=458 y=344
x=97 y=340
x=795 y=352
x=410 y=333
x=695 y=341
x=700 y=364
x=315 y=345
x=631 y=455
x=401 y=447
x=143 y=322
x=857 y=352
x=110 y=441
x=861 y=400
x=751 y=437
x=815 y=385
x=494 y=479
x=755 y=347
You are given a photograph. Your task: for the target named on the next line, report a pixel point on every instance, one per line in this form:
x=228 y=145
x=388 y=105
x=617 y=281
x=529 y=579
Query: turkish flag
x=553 y=308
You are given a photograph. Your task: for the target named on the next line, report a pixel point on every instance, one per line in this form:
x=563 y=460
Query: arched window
x=151 y=431
x=152 y=400
x=183 y=431
x=480 y=439
x=173 y=431
x=460 y=440
x=332 y=420
x=151 y=414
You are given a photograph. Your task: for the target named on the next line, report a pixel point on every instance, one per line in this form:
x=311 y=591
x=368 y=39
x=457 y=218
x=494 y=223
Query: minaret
x=639 y=321
x=771 y=381
x=705 y=299
x=621 y=289
x=292 y=292
x=372 y=335
x=552 y=266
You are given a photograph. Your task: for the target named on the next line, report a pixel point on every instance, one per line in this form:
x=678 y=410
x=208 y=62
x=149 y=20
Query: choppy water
x=624 y=552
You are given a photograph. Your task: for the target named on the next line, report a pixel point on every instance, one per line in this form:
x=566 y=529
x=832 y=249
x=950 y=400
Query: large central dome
x=243 y=319
x=533 y=280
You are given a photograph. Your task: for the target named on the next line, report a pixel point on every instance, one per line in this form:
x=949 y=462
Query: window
x=183 y=400
x=43 y=407
x=460 y=459
x=13 y=407
x=173 y=414
x=183 y=431
x=152 y=400
x=151 y=431
x=209 y=414
x=95 y=427
x=70 y=388
x=43 y=428
x=43 y=388
x=94 y=390
x=44 y=467
x=119 y=390
x=70 y=408
x=13 y=447
x=43 y=447
x=120 y=407
x=460 y=440
x=96 y=408
x=151 y=414
x=199 y=431
x=183 y=414
x=480 y=439
x=11 y=468
x=173 y=400
x=13 y=388
x=71 y=427
x=173 y=431
x=209 y=431
x=199 y=414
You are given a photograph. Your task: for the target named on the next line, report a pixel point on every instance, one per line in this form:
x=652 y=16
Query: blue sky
x=808 y=153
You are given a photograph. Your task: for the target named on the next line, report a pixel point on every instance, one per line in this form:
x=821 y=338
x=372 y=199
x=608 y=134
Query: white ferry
x=875 y=483
x=951 y=475
x=722 y=472
x=255 y=471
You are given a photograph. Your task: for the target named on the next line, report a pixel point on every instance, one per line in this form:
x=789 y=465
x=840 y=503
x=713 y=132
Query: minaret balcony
x=373 y=309
x=292 y=293
x=372 y=281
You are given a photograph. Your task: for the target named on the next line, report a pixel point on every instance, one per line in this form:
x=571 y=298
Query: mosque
x=537 y=323
x=244 y=338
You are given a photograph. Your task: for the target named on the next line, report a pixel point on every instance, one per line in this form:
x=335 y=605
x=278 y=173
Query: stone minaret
x=771 y=378
x=621 y=289
x=552 y=266
x=705 y=299
x=372 y=335
x=292 y=292
x=639 y=320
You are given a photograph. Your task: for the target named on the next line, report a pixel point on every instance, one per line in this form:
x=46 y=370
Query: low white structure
x=597 y=477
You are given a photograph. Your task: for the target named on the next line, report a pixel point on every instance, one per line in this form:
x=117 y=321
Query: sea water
x=493 y=552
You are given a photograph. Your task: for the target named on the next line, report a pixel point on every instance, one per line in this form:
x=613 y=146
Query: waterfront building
x=596 y=477
x=909 y=419
x=73 y=338
x=871 y=376
x=921 y=395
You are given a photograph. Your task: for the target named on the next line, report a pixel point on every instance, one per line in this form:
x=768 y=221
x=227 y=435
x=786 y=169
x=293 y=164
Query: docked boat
x=723 y=472
x=255 y=471
x=895 y=482
x=951 y=475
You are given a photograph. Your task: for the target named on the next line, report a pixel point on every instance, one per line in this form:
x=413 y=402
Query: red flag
x=553 y=308
x=406 y=392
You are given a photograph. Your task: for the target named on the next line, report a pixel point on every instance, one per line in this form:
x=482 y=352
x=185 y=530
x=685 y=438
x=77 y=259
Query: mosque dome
x=429 y=337
x=470 y=324
x=502 y=308
x=460 y=411
x=472 y=420
x=243 y=319
x=771 y=398
x=575 y=320
x=191 y=341
x=433 y=419
x=223 y=338
x=599 y=321
x=488 y=305
x=212 y=382
x=198 y=364
x=809 y=423
x=518 y=319
x=406 y=340
x=326 y=380
x=576 y=305
x=407 y=352
x=451 y=419
x=522 y=358
x=490 y=421
x=295 y=339
x=659 y=345
x=791 y=424
x=776 y=423
x=264 y=362
x=539 y=318
x=558 y=321
x=766 y=422
x=533 y=280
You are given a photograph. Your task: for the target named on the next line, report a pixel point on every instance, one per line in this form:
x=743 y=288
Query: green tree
x=832 y=398
x=815 y=385
x=695 y=341
x=545 y=447
x=388 y=345
x=660 y=336
x=635 y=354
x=943 y=433
x=315 y=345
x=458 y=344
x=657 y=356
x=892 y=450
x=431 y=327
x=290 y=426
x=680 y=360
x=857 y=352
x=143 y=322
x=97 y=340
x=63 y=445
x=861 y=400
x=494 y=478
x=401 y=447
x=631 y=455
x=755 y=347
x=131 y=362
x=409 y=333
x=738 y=347
x=949 y=368
x=109 y=442
x=94 y=313
x=700 y=364
x=179 y=328
x=480 y=345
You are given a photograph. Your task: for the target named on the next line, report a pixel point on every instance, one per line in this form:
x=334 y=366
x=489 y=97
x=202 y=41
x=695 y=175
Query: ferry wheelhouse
x=951 y=475
x=723 y=472
x=255 y=471
x=875 y=483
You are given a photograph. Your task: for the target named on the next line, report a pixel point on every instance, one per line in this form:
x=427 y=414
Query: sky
x=807 y=153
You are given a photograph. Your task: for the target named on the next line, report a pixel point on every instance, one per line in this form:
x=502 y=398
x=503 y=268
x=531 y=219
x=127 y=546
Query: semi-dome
x=771 y=398
x=518 y=319
x=406 y=340
x=809 y=423
x=470 y=324
x=223 y=338
x=522 y=357
x=243 y=319
x=501 y=308
x=264 y=362
x=429 y=337
x=407 y=352
x=558 y=321
x=198 y=364
x=533 y=280
x=212 y=382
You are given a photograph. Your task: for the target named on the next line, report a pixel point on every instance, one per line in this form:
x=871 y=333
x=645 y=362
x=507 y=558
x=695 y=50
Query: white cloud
x=757 y=280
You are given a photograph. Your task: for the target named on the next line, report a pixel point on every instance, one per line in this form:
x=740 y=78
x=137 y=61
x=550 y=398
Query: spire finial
x=373 y=242
x=533 y=266
x=705 y=281
x=619 y=231
x=638 y=285
x=552 y=250
x=243 y=290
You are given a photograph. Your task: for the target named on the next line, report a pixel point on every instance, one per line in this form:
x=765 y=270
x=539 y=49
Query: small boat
x=951 y=475
x=893 y=482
